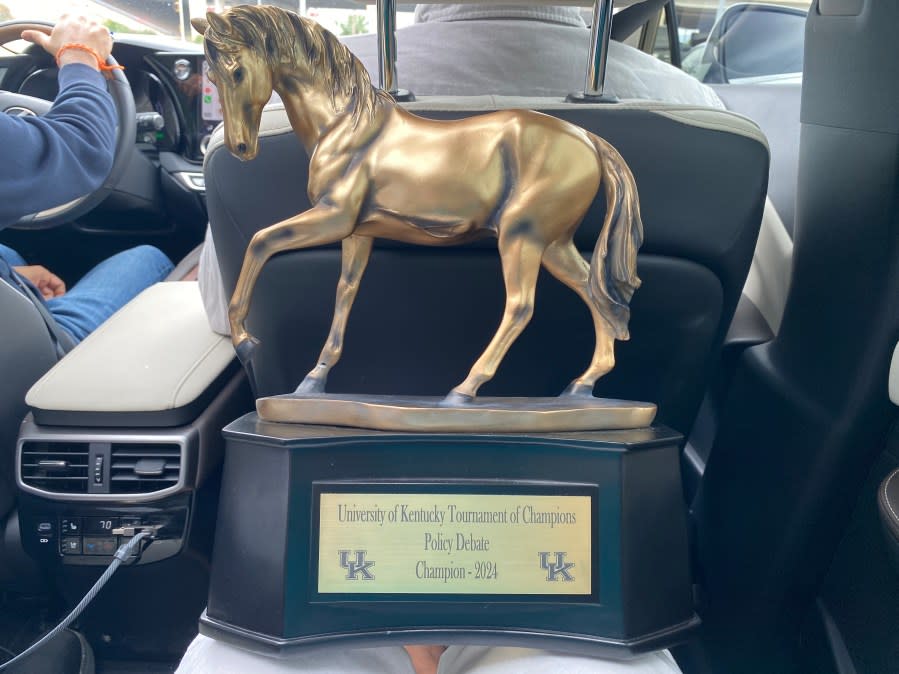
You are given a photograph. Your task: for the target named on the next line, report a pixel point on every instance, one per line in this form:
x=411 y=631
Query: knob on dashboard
x=181 y=69
x=150 y=121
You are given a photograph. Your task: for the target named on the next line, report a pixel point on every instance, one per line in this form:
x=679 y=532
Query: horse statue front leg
x=355 y=253
x=318 y=226
x=254 y=260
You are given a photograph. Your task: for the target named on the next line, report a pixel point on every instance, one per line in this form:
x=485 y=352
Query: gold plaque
x=455 y=543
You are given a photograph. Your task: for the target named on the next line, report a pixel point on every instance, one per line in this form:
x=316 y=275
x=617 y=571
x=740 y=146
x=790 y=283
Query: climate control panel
x=83 y=534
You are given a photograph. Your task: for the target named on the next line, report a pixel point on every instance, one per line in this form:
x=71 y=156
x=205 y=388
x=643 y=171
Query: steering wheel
x=120 y=91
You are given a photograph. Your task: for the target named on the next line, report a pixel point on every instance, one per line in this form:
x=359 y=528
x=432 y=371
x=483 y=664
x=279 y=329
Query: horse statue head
x=255 y=50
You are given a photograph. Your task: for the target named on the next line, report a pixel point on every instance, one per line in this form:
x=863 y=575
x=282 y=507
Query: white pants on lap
x=208 y=656
x=506 y=660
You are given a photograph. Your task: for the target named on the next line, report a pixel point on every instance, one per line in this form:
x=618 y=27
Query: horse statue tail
x=613 y=267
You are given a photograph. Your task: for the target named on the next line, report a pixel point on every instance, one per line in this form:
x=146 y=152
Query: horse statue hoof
x=246 y=349
x=576 y=390
x=456 y=399
x=310 y=386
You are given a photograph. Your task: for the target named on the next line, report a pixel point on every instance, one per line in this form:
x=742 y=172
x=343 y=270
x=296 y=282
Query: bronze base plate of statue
x=433 y=415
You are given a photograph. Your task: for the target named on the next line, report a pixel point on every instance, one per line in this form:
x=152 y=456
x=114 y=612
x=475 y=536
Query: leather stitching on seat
x=884 y=497
x=717 y=125
x=200 y=361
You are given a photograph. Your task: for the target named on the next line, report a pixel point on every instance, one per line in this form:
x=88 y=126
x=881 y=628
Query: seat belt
x=62 y=341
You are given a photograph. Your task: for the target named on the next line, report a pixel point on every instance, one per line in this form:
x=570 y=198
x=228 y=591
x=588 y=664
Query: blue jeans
x=104 y=289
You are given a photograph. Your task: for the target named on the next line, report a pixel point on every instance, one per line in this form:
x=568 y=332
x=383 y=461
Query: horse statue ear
x=200 y=25
x=219 y=24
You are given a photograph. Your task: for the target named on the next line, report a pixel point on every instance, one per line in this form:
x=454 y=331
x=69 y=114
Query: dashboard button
x=70 y=545
x=70 y=526
x=96 y=545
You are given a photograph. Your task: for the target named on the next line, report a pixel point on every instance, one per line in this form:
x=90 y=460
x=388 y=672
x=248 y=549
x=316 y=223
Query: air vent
x=143 y=468
x=55 y=466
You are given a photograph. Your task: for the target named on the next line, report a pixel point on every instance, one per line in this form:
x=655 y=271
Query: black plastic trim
x=575 y=644
x=748 y=327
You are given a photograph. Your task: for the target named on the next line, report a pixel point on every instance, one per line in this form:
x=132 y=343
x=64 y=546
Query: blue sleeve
x=63 y=155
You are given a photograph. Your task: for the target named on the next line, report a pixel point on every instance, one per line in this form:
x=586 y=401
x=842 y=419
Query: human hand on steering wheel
x=95 y=37
x=75 y=31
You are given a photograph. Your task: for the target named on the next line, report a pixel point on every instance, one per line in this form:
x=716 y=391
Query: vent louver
x=56 y=466
x=143 y=468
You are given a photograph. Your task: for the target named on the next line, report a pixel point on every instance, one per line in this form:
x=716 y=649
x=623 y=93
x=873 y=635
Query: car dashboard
x=176 y=105
x=159 y=197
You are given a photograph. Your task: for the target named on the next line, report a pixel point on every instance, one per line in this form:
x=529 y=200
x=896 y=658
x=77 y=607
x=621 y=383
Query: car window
x=719 y=40
x=731 y=41
x=171 y=17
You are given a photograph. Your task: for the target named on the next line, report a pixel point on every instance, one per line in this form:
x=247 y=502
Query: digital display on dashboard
x=210 y=106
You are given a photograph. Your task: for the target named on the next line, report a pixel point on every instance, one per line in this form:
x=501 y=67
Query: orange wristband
x=101 y=64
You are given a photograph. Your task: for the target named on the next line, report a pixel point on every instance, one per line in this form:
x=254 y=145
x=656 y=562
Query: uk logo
x=555 y=570
x=356 y=566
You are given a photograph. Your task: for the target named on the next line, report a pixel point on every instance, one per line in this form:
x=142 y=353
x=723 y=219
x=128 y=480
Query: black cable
x=121 y=555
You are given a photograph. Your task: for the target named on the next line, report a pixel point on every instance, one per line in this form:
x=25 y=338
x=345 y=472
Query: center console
x=125 y=432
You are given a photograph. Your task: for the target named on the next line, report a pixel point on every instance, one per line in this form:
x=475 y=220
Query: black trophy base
x=328 y=536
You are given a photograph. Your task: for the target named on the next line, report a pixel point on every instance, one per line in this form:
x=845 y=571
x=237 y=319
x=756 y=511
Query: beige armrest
x=155 y=354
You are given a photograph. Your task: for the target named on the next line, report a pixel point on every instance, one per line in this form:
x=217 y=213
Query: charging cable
x=124 y=553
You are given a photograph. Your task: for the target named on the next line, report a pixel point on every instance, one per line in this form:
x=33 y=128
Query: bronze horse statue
x=377 y=170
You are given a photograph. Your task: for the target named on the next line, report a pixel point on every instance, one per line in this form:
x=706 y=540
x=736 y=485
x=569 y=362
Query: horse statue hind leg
x=531 y=234
x=608 y=283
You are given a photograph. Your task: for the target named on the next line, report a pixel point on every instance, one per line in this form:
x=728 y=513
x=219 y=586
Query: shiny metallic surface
x=454 y=544
x=386 y=13
x=377 y=170
x=191 y=180
x=182 y=69
x=600 y=34
x=186 y=438
x=484 y=415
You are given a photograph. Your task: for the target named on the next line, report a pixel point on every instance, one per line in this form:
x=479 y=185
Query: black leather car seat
x=28 y=352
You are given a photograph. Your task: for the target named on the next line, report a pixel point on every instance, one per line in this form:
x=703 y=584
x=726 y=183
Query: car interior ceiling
x=791 y=439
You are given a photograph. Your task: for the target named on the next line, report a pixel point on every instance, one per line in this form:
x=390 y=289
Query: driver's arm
x=50 y=160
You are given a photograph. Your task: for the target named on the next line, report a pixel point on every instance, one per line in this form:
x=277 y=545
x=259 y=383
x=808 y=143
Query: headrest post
x=600 y=35
x=386 y=44
x=386 y=15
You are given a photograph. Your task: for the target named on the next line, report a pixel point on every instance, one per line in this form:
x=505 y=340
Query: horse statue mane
x=281 y=36
x=528 y=179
